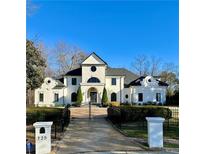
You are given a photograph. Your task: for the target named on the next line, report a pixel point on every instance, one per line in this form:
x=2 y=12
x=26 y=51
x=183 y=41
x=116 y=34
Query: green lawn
x=134 y=130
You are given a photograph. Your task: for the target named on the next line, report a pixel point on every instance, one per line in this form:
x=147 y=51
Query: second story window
x=113 y=81
x=93 y=80
x=74 y=81
x=41 y=97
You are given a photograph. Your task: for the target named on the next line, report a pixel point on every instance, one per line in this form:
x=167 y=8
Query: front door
x=93 y=97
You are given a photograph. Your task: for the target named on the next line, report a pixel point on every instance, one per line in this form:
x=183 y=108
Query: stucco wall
x=87 y=73
x=149 y=90
x=118 y=88
x=48 y=92
x=71 y=88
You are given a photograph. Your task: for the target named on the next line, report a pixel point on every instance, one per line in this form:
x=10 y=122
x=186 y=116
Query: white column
x=43 y=137
x=155 y=132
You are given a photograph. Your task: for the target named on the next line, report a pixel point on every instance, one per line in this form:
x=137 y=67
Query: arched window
x=93 y=80
x=113 y=97
x=73 y=97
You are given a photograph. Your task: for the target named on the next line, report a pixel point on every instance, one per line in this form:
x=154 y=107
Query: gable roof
x=129 y=76
x=93 y=53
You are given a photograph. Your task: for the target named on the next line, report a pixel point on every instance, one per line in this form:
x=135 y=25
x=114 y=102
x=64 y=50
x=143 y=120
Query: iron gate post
x=90 y=110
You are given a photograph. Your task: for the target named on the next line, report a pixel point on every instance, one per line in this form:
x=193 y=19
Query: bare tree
x=49 y=71
x=170 y=67
x=141 y=65
x=68 y=57
x=154 y=66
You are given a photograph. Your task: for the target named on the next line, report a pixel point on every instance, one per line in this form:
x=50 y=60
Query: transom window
x=140 y=97
x=93 y=80
x=113 y=81
x=56 y=97
x=41 y=97
x=74 y=81
x=93 y=68
x=113 y=97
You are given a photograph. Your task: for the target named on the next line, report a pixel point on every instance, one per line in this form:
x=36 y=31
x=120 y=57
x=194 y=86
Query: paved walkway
x=95 y=135
x=83 y=112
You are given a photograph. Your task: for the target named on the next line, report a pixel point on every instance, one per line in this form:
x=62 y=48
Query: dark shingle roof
x=129 y=76
x=138 y=80
x=162 y=83
x=75 y=72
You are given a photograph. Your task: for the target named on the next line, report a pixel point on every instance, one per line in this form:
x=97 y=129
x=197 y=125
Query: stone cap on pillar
x=43 y=124
x=155 y=119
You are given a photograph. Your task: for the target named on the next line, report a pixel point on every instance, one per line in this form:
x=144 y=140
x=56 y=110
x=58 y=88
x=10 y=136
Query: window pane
x=73 y=97
x=140 y=97
x=113 y=97
x=158 y=97
x=56 y=97
x=74 y=81
x=41 y=97
x=93 y=80
x=113 y=81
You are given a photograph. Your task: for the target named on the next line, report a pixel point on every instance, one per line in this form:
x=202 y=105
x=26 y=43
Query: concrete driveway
x=91 y=136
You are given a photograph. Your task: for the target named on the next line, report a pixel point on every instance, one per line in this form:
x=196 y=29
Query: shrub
x=137 y=113
x=59 y=105
x=114 y=114
x=79 y=97
x=34 y=114
x=104 y=98
x=114 y=104
x=160 y=104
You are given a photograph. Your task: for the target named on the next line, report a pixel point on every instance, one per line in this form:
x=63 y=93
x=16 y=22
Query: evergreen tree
x=35 y=68
x=104 y=98
x=79 y=97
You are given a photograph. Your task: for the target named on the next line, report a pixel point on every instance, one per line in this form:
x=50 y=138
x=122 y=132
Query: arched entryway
x=93 y=95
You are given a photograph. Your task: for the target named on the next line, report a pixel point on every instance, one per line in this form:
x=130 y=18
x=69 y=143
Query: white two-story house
x=92 y=77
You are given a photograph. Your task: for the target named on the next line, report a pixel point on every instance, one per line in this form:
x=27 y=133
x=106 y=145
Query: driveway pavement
x=97 y=136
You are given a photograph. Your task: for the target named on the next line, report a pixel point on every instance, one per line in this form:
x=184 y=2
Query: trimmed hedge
x=34 y=114
x=137 y=113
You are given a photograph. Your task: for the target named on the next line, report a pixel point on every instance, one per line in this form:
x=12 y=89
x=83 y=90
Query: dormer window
x=149 y=80
x=93 y=68
x=49 y=81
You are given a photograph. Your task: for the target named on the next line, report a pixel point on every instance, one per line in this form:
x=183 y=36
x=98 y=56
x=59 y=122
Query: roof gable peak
x=93 y=58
